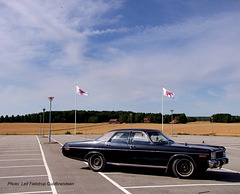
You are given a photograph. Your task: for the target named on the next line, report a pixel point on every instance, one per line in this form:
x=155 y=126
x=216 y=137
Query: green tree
x=123 y=118
x=18 y=118
x=222 y=118
x=93 y=119
x=12 y=119
x=191 y=119
x=139 y=117
x=1 y=119
x=6 y=119
x=167 y=118
x=182 y=118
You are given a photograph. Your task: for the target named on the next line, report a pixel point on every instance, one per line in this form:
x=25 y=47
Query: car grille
x=219 y=154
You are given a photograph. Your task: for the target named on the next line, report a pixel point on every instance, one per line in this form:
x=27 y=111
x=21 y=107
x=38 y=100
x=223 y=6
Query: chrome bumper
x=217 y=162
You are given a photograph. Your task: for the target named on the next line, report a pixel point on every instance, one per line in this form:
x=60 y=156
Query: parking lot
x=29 y=164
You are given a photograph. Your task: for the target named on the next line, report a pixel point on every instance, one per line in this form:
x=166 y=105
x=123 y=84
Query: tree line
x=84 y=116
x=225 y=118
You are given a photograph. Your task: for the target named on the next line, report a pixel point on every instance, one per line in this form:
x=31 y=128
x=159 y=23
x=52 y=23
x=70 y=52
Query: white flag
x=79 y=91
x=168 y=93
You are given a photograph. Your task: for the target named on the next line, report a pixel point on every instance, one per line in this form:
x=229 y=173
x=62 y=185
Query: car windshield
x=158 y=137
x=106 y=136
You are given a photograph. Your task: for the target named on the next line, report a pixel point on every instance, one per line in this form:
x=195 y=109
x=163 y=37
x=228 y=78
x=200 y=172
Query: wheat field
x=195 y=128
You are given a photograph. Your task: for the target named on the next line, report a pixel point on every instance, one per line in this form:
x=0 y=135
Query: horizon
x=115 y=111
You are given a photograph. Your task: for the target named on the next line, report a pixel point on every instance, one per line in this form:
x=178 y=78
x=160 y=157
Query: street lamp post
x=40 y=116
x=43 y=120
x=50 y=100
x=131 y=119
x=212 y=125
x=172 y=120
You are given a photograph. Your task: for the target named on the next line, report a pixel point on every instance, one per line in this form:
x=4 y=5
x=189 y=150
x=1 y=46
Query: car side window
x=120 y=137
x=139 y=138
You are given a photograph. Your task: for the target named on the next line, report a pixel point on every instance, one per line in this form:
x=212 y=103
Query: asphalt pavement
x=30 y=164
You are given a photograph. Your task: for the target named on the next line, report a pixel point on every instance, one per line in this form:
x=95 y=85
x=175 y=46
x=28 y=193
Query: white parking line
x=21 y=166
x=19 y=154
x=111 y=173
x=187 y=185
x=27 y=176
x=31 y=192
x=17 y=151
x=114 y=183
x=19 y=147
x=124 y=189
x=105 y=176
x=53 y=188
x=57 y=141
x=230 y=170
x=20 y=159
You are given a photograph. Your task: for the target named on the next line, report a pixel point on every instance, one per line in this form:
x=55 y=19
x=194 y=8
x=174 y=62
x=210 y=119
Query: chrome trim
x=213 y=163
x=218 y=162
x=136 y=165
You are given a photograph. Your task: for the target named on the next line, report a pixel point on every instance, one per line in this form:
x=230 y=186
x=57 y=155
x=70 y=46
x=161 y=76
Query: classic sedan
x=146 y=148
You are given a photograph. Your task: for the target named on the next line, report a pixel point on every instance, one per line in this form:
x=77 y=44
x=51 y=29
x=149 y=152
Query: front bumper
x=217 y=162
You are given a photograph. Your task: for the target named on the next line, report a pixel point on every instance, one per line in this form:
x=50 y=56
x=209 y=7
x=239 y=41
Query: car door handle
x=132 y=146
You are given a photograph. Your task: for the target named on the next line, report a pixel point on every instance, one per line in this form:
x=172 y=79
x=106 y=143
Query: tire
x=96 y=162
x=183 y=168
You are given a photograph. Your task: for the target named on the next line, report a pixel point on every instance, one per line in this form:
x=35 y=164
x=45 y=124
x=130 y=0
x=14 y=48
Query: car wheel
x=96 y=162
x=183 y=168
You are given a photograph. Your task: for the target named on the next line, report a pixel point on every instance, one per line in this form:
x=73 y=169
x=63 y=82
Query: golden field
x=195 y=128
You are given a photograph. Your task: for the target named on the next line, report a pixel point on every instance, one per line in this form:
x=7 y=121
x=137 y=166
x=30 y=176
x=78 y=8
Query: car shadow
x=132 y=170
x=136 y=170
x=221 y=176
x=214 y=175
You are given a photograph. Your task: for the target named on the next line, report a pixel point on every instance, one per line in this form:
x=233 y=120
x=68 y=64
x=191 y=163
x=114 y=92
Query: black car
x=146 y=148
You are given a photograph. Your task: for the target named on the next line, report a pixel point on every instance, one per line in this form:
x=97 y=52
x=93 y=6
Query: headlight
x=213 y=155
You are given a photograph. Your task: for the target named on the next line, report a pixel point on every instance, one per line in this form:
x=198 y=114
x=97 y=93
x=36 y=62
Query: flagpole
x=76 y=112
x=162 y=109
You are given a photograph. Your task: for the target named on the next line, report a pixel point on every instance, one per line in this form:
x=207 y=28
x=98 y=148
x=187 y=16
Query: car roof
x=143 y=130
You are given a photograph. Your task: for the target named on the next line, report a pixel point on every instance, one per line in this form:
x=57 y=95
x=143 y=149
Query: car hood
x=202 y=147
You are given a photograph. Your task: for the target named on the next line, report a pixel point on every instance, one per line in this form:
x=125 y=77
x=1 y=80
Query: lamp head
x=50 y=99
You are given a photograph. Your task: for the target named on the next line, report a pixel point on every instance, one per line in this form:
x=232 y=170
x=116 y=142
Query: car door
x=141 y=150
x=116 y=149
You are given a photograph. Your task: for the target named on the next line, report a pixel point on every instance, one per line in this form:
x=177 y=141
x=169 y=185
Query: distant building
x=173 y=122
x=146 y=120
x=113 y=121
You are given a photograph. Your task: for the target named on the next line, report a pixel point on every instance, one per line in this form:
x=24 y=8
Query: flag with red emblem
x=168 y=93
x=79 y=91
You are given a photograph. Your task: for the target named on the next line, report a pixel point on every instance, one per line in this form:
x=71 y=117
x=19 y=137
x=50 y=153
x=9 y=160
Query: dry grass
x=196 y=128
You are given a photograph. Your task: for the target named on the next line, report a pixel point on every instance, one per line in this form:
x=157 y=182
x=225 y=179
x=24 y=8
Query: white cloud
x=49 y=46
x=205 y=54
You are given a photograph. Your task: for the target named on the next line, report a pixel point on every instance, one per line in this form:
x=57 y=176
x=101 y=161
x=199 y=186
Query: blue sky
x=122 y=52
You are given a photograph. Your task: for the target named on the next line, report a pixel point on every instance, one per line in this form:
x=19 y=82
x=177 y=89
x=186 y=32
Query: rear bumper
x=217 y=162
